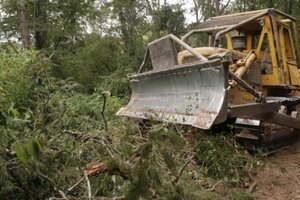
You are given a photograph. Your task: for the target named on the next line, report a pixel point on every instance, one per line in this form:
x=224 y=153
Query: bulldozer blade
x=194 y=94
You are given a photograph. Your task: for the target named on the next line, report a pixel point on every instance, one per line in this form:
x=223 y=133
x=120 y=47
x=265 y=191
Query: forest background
x=63 y=76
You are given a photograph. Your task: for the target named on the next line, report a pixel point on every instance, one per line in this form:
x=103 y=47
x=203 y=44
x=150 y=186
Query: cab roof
x=225 y=21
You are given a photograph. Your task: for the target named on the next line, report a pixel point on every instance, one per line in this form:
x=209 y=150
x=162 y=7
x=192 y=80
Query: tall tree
x=39 y=14
x=168 y=19
x=46 y=20
x=209 y=8
x=23 y=20
x=126 y=10
x=220 y=6
x=287 y=6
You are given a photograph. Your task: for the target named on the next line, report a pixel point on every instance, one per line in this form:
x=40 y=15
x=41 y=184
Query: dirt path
x=280 y=179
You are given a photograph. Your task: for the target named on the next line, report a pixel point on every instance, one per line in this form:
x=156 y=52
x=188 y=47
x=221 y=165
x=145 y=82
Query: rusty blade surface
x=192 y=94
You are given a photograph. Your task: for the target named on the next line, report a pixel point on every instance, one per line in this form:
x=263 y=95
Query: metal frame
x=178 y=41
x=227 y=28
x=231 y=28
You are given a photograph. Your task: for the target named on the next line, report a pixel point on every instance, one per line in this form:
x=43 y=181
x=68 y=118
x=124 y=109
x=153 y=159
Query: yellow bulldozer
x=246 y=73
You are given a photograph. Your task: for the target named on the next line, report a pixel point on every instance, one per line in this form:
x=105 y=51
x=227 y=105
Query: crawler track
x=267 y=137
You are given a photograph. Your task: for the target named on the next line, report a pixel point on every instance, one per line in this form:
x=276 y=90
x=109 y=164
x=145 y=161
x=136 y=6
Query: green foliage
x=156 y=155
x=51 y=22
x=97 y=56
x=15 y=78
x=222 y=158
x=68 y=122
x=30 y=150
x=117 y=84
x=169 y=19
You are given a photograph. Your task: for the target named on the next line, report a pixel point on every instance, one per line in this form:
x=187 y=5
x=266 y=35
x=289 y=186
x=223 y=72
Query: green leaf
x=15 y=113
x=34 y=148
x=22 y=153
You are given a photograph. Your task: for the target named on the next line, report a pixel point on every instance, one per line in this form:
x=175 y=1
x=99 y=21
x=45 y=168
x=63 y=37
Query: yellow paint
x=284 y=74
x=249 y=42
x=284 y=48
x=229 y=41
x=210 y=41
x=294 y=73
x=276 y=77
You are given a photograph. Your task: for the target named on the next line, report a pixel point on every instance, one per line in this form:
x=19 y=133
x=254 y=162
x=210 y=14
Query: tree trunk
x=196 y=10
x=131 y=25
x=127 y=17
x=287 y=6
x=24 y=30
x=40 y=35
x=290 y=7
x=270 y=4
x=217 y=8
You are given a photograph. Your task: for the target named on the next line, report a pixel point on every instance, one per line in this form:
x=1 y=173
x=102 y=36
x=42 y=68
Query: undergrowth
x=53 y=136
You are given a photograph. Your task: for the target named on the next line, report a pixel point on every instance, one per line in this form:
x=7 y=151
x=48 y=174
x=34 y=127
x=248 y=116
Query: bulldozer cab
x=241 y=58
x=272 y=34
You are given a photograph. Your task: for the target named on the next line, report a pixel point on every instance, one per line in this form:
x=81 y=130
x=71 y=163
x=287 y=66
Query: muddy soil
x=280 y=179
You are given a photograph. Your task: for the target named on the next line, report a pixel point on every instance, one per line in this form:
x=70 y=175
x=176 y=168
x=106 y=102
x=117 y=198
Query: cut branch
x=88 y=186
x=104 y=95
x=182 y=169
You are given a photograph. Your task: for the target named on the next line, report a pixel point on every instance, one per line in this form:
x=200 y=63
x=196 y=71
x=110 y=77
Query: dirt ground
x=280 y=179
